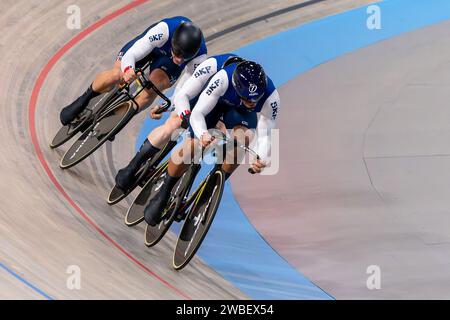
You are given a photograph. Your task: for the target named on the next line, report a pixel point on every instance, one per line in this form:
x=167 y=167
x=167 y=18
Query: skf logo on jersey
x=156 y=37
x=274 y=106
x=252 y=89
x=202 y=71
x=212 y=87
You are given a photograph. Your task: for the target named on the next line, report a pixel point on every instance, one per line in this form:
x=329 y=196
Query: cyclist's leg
x=179 y=162
x=164 y=73
x=242 y=125
x=125 y=176
x=155 y=141
x=104 y=82
x=162 y=134
x=221 y=126
x=147 y=96
x=235 y=155
x=181 y=159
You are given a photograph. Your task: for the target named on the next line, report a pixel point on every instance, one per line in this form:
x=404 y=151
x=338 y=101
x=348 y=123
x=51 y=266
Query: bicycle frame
x=199 y=190
x=143 y=83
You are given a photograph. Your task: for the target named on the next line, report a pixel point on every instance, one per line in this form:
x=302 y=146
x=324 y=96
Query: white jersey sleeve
x=194 y=63
x=193 y=85
x=266 y=122
x=208 y=99
x=156 y=37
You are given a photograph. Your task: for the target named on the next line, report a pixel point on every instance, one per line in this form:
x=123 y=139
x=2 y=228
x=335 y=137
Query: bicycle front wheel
x=97 y=134
x=199 y=220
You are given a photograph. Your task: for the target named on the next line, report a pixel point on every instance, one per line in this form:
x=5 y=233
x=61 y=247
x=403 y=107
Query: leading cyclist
x=172 y=45
x=161 y=135
x=244 y=98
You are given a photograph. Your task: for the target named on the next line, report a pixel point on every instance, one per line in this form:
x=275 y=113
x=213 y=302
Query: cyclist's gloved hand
x=128 y=75
x=185 y=116
x=206 y=139
x=154 y=113
x=258 y=166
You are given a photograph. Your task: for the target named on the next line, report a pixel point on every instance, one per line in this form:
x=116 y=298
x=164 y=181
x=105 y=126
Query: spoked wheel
x=199 y=219
x=67 y=132
x=98 y=133
x=142 y=176
x=135 y=213
x=177 y=198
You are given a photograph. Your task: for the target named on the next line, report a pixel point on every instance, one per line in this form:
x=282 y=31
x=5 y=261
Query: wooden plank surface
x=40 y=233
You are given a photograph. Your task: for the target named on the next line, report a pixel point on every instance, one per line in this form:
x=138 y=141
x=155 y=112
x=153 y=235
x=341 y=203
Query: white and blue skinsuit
x=219 y=101
x=155 y=45
x=191 y=88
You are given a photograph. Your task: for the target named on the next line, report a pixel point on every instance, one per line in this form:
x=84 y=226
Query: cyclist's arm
x=192 y=65
x=156 y=37
x=266 y=122
x=189 y=70
x=208 y=99
x=193 y=85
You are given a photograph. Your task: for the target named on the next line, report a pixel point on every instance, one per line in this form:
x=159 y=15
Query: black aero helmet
x=187 y=40
x=250 y=81
x=231 y=60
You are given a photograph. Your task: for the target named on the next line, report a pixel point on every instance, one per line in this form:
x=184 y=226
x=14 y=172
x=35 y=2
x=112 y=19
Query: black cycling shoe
x=69 y=113
x=153 y=212
x=155 y=208
x=125 y=178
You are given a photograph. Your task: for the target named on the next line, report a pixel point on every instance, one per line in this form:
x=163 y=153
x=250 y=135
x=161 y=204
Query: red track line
x=37 y=148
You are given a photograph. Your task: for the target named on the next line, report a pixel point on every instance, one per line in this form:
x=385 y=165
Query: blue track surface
x=233 y=247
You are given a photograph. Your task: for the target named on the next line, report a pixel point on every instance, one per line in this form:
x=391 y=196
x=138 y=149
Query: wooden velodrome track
x=42 y=227
x=364 y=170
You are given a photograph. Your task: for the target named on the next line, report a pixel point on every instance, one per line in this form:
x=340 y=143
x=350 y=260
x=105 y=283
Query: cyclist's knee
x=221 y=126
x=160 y=79
x=173 y=123
x=186 y=153
x=116 y=73
x=243 y=134
x=169 y=129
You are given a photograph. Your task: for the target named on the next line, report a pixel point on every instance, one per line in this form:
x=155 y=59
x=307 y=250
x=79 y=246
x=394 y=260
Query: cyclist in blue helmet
x=250 y=81
x=244 y=99
x=179 y=118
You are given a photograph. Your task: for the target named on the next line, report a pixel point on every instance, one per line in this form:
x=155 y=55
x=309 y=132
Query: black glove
x=185 y=116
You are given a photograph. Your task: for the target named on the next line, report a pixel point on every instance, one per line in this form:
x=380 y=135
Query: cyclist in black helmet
x=179 y=118
x=172 y=45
